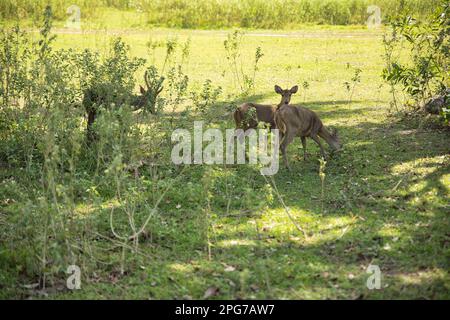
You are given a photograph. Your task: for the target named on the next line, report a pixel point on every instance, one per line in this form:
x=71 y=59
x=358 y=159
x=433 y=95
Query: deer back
x=298 y=120
x=264 y=113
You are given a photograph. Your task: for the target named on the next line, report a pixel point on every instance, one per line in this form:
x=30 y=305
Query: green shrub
x=425 y=72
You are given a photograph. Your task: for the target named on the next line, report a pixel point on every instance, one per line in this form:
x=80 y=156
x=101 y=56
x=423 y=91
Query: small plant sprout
x=350 y=86
x=242 y=80
x=305 y=86
x=322 y=176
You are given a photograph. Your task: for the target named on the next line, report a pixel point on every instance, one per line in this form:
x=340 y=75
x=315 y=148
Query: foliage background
x=213 y=231
x=216 y=14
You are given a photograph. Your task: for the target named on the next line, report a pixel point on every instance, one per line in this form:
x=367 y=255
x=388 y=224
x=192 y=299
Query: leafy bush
x=68 y=201
x=425 y=73
x=42 y=115
x=206 y=97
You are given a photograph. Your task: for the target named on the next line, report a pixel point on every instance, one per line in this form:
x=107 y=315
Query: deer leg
x=281 y=137
x=287 y=139
x=92 y=115
x=304 y=147
x=239 y=135
x=317 y=140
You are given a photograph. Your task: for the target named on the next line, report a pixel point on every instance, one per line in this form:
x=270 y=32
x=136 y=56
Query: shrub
x=425 y=73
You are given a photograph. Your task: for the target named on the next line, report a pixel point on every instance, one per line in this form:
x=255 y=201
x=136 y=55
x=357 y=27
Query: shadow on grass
x=369 y=214
x=403 y=230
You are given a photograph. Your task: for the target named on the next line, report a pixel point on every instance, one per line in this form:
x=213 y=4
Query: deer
x=264 y=113
x=296 y=121
x=97 y=95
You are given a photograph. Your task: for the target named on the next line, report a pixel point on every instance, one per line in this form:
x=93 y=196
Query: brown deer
x=264 y=112
x=296 y=121
x=101 y=95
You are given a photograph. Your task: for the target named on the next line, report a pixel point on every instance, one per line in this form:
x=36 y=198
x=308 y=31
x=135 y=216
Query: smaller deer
x=264 y=112
x=294 y=120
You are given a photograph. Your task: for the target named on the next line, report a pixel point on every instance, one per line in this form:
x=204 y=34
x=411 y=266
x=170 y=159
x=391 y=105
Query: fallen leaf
x=254 y=287
x=31 y=286
x=42 y=293
x=229 y=269
x=211 y=292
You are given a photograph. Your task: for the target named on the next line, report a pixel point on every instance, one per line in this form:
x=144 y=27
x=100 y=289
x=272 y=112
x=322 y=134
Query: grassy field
x=219 y=14
x=384 y=200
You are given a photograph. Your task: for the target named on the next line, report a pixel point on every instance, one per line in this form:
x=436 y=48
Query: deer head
x=285 y=94
x=149 y=95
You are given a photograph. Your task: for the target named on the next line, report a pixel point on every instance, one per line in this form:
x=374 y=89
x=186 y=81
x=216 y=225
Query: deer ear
x=294 y=89
x=278 y=89
x=142 y=89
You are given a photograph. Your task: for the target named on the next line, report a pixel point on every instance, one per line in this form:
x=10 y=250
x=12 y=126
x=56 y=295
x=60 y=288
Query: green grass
x=386 y=197
x=213 y=14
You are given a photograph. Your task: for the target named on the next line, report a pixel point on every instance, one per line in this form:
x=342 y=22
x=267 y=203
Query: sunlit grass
x=385 y=199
